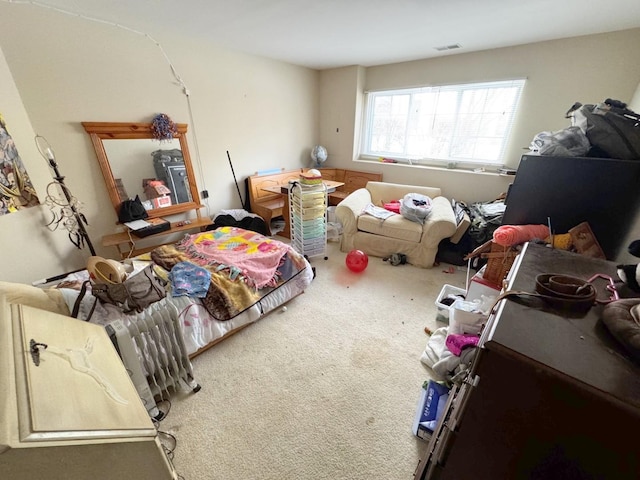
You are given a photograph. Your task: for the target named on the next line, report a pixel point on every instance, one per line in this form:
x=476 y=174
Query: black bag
x=612 y=129
x=133 y=295
x=131 y=210
x=485 y=218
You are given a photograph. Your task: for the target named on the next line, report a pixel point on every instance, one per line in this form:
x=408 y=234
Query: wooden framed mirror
x=133 y=161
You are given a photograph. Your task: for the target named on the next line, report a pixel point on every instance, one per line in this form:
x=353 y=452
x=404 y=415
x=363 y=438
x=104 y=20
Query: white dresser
x=68 y=409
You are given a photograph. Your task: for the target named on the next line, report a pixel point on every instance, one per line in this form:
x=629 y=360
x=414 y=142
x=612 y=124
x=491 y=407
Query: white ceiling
x=332 y=33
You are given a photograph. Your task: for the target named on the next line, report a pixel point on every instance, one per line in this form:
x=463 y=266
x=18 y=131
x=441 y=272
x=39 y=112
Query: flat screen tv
x=570 y=190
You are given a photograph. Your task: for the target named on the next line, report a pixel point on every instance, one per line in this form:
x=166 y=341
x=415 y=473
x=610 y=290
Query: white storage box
x=478 y=287
x=443 y=309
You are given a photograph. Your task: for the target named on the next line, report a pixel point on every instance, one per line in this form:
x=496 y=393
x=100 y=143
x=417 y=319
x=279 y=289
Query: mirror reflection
x=134 y=163
x=154 y=171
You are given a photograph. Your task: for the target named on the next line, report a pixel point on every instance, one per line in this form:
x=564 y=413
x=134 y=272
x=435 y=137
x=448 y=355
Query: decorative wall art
x=163 y=127
x=16 y=190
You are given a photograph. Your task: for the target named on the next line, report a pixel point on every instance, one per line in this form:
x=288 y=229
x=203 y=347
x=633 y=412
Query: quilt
x=241 y=262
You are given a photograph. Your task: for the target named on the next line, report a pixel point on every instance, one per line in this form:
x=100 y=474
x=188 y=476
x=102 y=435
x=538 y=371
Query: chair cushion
x=395 y=226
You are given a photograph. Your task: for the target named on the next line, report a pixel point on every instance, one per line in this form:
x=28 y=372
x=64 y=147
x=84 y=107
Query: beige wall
x=586 y=69
x=68 y=70
x=28 y=251
x=57 y=71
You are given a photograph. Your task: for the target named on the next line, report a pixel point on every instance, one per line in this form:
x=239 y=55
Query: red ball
x=357 y=261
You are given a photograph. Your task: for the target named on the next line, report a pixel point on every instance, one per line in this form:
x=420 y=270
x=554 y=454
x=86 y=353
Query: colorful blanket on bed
x=240 y=262
x=253 y=256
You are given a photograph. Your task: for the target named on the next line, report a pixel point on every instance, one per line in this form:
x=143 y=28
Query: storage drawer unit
x=308 y=216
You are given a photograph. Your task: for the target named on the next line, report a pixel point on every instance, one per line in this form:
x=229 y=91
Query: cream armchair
x=396 y=234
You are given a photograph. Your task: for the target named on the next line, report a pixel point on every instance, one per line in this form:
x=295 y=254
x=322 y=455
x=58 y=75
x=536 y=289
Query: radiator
x=153 y=352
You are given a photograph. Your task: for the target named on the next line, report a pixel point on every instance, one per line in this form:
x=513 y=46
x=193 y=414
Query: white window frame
x=408 y=117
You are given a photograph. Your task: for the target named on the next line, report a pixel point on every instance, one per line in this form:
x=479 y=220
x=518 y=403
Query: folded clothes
x=508 y=235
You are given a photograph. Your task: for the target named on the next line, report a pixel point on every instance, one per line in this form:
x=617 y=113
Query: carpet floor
x=324 y=389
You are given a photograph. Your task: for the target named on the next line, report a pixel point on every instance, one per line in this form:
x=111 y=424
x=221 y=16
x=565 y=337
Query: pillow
x=622 y=319
x=49 y=299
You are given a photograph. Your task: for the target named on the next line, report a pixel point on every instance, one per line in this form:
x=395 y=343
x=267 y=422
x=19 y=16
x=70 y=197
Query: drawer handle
x=34 y=347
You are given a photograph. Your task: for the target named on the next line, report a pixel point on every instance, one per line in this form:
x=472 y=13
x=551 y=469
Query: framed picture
x=16 y=190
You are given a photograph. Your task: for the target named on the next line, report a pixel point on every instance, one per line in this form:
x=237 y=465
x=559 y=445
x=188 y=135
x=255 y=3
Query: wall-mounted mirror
x=134 y=163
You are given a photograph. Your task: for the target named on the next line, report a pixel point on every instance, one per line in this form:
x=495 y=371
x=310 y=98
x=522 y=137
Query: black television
x=567 y=191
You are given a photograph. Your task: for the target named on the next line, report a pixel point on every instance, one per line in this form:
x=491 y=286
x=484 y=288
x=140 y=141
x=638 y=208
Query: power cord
x=164 y=436
x=168 y=402
x=174 y=72
x=133 y=244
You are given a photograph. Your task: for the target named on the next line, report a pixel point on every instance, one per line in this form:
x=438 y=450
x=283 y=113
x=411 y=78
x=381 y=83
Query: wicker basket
x=499 y=261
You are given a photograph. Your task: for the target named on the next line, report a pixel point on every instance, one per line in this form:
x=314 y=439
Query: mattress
x=201 y=329
x=156 y=344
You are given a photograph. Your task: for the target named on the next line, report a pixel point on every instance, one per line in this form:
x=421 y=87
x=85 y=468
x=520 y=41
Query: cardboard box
x=463 y=226
x=442 y=308
x=160 y=202
x=433 y=400
x=154 y=188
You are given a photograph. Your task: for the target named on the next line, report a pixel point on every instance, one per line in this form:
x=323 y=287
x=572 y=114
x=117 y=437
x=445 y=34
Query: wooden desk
x=284 y=190
x=126 y=238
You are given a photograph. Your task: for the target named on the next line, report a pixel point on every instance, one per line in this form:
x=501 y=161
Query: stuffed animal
x=630 y=275
x=396 y=259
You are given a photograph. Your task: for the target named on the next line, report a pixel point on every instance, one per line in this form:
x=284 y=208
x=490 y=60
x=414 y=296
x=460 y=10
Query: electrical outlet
x=205 y=194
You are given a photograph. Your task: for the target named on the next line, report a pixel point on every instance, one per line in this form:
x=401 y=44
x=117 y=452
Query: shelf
x=127 y=238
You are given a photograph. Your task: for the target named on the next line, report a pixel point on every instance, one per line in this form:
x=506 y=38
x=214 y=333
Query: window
x=453 y=124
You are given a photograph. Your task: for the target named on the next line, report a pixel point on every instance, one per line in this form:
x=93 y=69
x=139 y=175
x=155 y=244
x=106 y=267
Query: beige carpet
x=324 y=390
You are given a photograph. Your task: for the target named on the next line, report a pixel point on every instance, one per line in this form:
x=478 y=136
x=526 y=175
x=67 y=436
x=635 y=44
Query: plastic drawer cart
x=308 y=214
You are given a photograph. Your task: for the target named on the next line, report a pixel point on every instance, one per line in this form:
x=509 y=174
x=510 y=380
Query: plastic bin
x=443 y=309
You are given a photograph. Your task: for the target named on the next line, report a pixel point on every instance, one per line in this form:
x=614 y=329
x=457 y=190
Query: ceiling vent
x=448 y=47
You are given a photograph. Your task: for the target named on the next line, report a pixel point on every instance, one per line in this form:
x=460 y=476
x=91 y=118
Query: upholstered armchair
x=396 y=234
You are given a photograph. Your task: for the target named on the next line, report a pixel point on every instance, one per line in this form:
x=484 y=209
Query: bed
x=250 y=276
